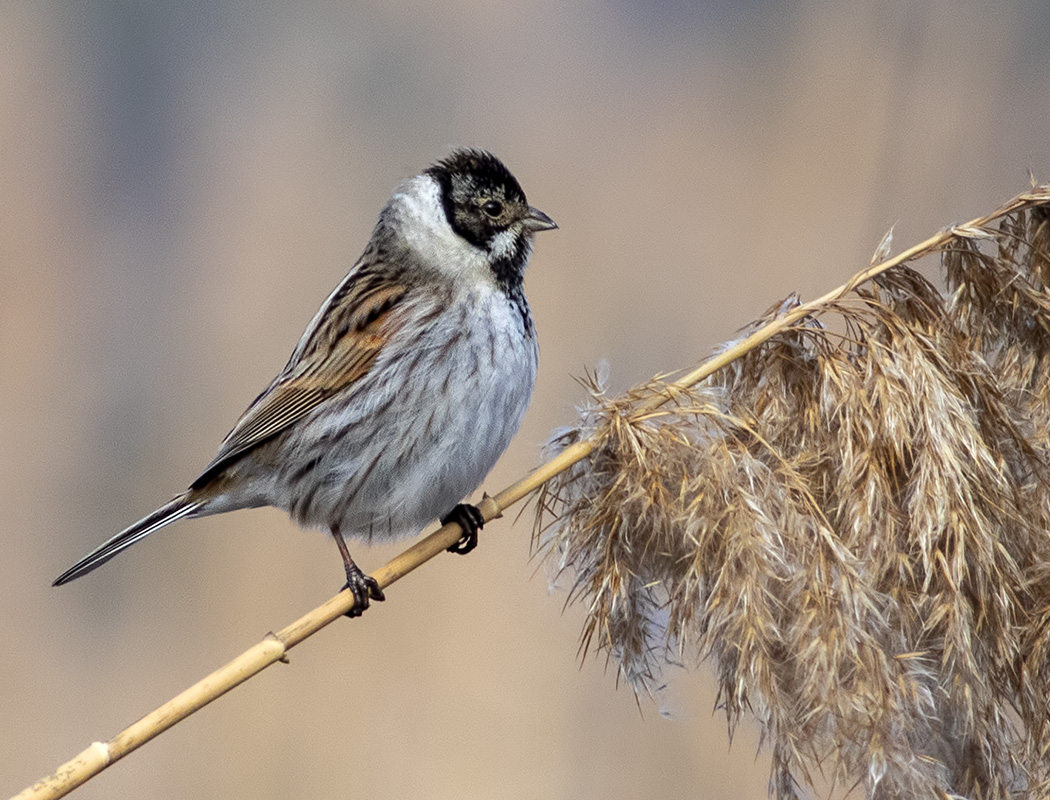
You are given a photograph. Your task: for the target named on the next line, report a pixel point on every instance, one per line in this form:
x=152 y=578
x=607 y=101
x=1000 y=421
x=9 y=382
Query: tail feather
x=178 y=508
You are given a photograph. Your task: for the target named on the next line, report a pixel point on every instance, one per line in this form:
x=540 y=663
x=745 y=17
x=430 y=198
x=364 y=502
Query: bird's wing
x=337 y=350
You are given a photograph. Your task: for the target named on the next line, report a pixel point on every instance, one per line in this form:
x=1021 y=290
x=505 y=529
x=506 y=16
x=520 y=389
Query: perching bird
x=407 y=385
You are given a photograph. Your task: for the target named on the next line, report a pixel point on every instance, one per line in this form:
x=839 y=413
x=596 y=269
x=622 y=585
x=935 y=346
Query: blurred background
x=182 y=184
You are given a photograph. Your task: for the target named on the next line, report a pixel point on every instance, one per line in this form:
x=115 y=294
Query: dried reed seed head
x=852 y=521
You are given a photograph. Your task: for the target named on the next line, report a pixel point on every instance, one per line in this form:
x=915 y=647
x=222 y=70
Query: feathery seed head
x=851 y=521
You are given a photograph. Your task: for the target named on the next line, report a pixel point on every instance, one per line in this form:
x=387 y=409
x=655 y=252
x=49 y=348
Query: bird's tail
x=178 y=508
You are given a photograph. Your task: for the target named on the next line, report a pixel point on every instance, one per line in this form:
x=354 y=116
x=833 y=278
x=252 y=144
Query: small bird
x=405 y=388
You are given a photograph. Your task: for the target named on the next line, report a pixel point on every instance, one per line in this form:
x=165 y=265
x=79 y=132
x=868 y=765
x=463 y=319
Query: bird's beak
x=536 y=221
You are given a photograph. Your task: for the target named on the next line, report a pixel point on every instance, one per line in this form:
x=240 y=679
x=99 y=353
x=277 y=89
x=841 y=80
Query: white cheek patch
x=504 y=244
x=422 y=222
x=417 y=204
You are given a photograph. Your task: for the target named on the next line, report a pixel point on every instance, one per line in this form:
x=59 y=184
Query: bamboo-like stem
x=274 y=647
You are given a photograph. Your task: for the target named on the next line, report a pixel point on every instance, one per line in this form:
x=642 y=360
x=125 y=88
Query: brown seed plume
x=851 y=522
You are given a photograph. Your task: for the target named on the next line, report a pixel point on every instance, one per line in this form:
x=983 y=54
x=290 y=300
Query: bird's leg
x=470 y=520
x=363 y=587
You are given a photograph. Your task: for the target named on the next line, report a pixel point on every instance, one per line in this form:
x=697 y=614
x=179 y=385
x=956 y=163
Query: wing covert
x=338 y=350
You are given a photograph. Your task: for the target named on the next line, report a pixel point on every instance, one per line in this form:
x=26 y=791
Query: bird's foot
x=364 y=589
x=471 y=520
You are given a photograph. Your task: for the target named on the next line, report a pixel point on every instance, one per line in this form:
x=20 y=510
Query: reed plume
x=850 y=521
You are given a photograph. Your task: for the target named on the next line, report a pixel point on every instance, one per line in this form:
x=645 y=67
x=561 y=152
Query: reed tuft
x=851 y=521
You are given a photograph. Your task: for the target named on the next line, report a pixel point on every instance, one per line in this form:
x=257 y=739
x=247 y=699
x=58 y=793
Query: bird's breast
x=423 y=428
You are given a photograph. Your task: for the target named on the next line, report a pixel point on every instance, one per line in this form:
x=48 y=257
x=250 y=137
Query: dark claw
x=470 y=519
x=364 y=588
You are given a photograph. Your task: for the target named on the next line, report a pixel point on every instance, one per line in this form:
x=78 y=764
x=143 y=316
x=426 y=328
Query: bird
x=405 y=388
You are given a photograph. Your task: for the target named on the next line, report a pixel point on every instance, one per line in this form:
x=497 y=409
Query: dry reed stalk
x=851 y=521
x=274 y=647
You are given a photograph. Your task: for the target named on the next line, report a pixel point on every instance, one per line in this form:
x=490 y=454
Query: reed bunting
x=407 y=385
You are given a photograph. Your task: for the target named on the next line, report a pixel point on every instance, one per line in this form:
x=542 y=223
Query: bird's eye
x=493 y=208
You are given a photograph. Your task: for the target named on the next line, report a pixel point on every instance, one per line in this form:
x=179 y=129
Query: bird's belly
x=386 y=465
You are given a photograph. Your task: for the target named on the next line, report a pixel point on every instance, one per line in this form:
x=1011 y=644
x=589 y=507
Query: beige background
x=181 y=184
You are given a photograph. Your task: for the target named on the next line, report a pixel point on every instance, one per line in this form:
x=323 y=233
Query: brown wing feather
x=340 y=350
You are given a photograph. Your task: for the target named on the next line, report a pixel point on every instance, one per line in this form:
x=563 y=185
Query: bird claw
x=364 y=588
x=471 y=520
